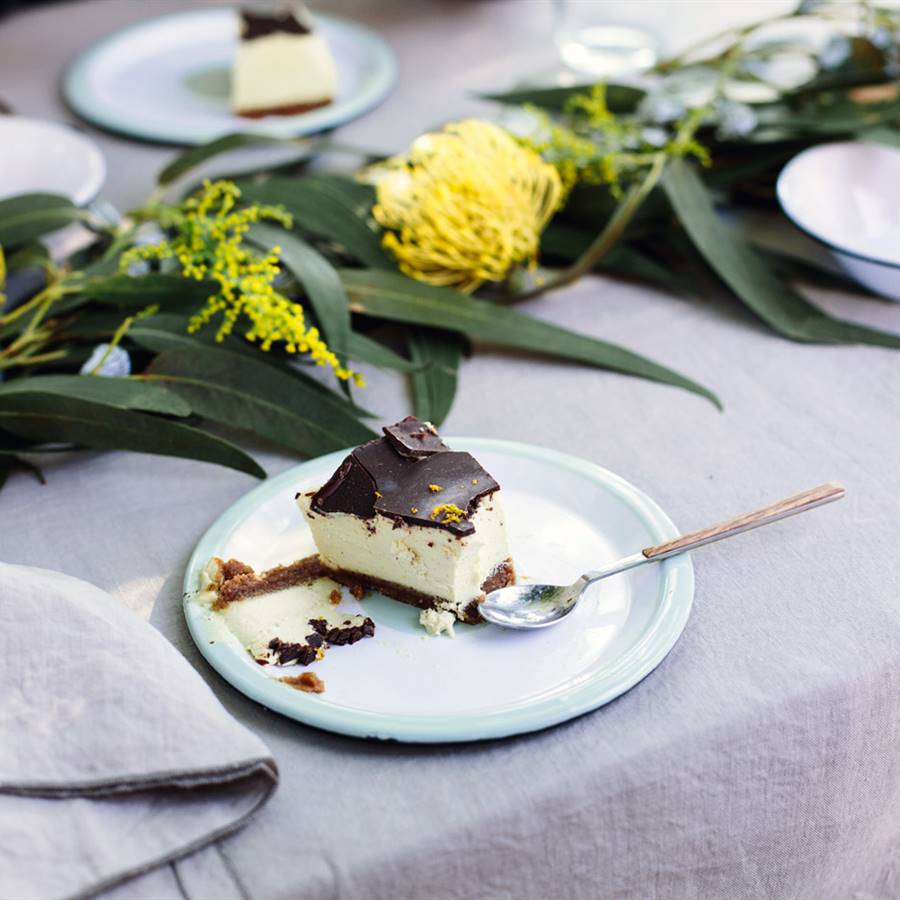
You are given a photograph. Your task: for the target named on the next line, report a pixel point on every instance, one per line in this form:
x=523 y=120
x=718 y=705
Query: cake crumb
x=358 y=591
x=335 y=596
x=308 y=682
x=437 y=621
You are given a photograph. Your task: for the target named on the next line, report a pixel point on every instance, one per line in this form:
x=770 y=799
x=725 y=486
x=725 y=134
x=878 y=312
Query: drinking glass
x=607 y=38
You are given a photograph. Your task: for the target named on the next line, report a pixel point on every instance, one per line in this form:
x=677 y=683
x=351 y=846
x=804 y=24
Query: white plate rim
x=90 y=188
x=673 y=609
x=801 y=223
x=84 y=102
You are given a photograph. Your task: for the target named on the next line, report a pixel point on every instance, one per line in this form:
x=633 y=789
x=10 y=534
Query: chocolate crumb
x=287 y=652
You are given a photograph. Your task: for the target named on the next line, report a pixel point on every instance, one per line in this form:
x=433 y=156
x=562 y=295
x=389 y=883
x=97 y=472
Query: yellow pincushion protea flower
x=464 y=205
x=207 y=241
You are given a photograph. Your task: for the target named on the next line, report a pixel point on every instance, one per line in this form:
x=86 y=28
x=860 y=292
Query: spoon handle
x=824 y=493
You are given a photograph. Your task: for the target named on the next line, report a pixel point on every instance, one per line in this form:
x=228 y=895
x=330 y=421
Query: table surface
x=760 y=759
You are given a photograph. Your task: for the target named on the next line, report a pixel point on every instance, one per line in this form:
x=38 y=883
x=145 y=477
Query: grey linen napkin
x=115 y=756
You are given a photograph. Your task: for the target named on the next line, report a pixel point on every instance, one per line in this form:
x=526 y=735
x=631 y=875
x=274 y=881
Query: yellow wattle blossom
x=448 y=512
x=208 y=243
x=464 y=205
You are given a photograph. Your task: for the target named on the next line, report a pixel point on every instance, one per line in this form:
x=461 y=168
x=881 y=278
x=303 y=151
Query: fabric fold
x=115 y=756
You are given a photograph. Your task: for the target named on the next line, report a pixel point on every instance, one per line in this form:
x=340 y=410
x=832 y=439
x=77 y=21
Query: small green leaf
x=389 y=295
x=28 y=216
x=195 y=156
x=620 y=98
x=125 y=393
x=252 y=396
x=767 y=295
x=319 y=279
x=325 y=208
x=437 y=352
x=54 y=417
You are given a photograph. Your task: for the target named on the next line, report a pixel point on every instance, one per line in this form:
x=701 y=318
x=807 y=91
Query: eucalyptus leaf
x=248 y=395
x=389 y=295
x=196 y=156
x=325 y=210
x=882 y=134
x=10 y=463
x=319 y=279
x=569 y=242
x=363 y=349
x=620 y=98
x=738 y=265
x=169 y=332
x=437 y=353
x=55 y=417
x=28 y=216
x=169 y=292
x=31 y=255
x=125 y=393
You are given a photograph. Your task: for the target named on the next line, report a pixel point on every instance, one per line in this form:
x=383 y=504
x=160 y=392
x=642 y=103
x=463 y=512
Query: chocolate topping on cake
x=287 y=21
x=413 y=438
x=394 y=476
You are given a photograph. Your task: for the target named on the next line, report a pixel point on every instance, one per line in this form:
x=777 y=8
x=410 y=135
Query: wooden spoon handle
x=824 y=493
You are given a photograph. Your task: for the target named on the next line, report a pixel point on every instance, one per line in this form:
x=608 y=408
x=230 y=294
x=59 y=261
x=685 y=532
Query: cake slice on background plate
x=408 y=516
x=282 y=66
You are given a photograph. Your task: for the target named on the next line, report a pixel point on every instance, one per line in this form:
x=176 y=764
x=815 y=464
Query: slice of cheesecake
x=408 y=516
x=283 y=66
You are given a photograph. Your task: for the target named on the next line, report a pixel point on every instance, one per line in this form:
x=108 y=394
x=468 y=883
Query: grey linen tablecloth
x=761 y=759
x=115 y=757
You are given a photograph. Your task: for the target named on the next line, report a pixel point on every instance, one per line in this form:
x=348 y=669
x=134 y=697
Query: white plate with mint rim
x=564 y=516
x=167 y=79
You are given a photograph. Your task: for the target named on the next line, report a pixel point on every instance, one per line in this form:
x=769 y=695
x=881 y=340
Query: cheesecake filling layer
x=433 y=562
x=282 y=72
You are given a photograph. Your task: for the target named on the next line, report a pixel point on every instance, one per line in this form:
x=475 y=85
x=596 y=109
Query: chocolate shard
x=351 y=489
x=410 y=437
x=289 y=21
x=438 y=488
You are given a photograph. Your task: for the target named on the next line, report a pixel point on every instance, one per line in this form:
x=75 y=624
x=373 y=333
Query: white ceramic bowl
x=48 y=157
x=846 y=195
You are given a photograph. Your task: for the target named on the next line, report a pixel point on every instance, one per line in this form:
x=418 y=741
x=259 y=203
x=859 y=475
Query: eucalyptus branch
x=638 y=193
x=609 y=237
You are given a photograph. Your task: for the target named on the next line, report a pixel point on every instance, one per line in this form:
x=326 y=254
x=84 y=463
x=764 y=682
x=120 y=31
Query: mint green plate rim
x=85 y=103
x=673 y=608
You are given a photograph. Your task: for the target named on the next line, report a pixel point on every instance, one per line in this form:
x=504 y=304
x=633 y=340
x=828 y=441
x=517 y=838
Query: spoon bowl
x=528 y=606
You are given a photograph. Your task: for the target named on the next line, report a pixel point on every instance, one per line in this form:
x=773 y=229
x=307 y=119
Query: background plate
x=167 y=79
x=565 y=516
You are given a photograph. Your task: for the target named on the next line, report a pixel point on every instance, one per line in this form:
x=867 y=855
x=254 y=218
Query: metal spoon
x=539 y=605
